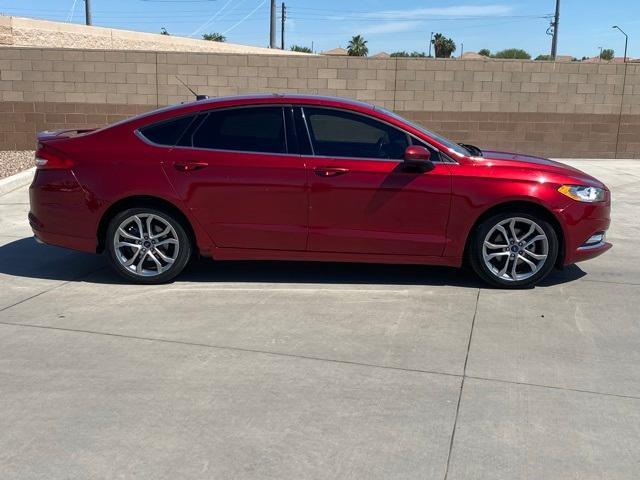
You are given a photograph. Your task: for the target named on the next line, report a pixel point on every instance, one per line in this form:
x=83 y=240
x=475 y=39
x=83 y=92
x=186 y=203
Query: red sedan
x=286 y=177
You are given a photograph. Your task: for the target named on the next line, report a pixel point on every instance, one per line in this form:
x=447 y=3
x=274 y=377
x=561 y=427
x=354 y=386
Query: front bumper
x=581 y=221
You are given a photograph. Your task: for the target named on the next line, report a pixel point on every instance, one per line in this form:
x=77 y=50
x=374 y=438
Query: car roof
x=282 y=98
x=254 y=99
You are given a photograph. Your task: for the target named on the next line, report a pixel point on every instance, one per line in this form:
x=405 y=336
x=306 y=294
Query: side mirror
x=417 y=156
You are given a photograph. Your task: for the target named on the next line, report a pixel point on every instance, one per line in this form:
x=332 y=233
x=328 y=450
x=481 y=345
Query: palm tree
x=357 y=47
x=214 y=37
x=444 y=46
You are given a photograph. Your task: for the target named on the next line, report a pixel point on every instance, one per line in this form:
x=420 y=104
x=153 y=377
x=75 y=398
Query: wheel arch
x=531 y=207
x=142 y=201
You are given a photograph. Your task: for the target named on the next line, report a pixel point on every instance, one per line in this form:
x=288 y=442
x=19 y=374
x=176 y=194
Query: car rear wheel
x=147 y=245
x=513 y=250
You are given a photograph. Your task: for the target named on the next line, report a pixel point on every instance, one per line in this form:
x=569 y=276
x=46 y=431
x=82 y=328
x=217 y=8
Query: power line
x=71 y=12
x=211 y=19
x=245 y=18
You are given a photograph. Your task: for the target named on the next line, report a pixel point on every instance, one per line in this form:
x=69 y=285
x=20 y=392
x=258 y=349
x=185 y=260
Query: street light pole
x=626 y=40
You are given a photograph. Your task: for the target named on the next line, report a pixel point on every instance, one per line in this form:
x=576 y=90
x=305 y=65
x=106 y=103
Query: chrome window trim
x=244 y=152
x=206 y=112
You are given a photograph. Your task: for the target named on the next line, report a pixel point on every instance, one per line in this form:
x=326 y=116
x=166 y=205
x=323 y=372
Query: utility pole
x=283 y=17
x=272 y=31
x=430 y=42
x=87 y=11
x=554 y=40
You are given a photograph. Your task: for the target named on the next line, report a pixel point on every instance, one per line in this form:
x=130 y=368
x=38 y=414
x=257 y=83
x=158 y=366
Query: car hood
x=541 y=164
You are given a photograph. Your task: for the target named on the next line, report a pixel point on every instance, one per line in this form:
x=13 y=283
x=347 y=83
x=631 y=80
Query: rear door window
x=167 y=132
x=247 y=129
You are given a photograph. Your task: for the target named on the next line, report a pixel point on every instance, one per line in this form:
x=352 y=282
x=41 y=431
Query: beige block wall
x=558 y=109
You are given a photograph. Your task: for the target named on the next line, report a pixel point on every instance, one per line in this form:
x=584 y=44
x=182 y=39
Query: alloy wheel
x=146 y=244
x=515 y=249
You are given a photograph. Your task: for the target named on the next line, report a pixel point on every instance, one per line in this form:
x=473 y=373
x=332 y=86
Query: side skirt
x=251 y=254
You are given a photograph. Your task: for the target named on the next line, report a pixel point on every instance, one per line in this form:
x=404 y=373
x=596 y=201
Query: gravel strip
x=12 y=161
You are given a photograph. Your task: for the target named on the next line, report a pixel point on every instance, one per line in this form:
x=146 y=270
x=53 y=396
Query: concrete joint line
x=80 y=277
x=464 y=373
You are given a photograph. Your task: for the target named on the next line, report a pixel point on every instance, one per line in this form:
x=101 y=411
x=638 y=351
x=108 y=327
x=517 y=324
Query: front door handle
x=330 y=171
x=188 y=166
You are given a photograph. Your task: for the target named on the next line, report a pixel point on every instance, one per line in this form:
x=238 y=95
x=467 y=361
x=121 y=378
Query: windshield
x=454 y=147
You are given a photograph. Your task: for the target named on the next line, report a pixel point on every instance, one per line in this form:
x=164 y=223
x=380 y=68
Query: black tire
x=182 y=253
x=476 y=257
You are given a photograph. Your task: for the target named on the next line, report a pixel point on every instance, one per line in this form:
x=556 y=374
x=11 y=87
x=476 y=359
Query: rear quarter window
x=167 y=132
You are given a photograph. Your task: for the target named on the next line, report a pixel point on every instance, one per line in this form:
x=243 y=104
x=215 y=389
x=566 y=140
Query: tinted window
x=444 y=141
x=255 y=129
x=337 y=133
x=435 y=154
x=168 y=132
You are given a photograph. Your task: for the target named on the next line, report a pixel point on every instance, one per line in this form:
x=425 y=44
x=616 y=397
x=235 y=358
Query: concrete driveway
x=324 y=371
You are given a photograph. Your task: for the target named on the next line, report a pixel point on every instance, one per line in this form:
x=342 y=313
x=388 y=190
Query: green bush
x=513 y=53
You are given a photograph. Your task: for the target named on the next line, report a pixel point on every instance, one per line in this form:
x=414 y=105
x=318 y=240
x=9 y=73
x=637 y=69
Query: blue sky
x=388 y=26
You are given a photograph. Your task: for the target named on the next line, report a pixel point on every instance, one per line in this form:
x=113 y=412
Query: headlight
x=582 y=193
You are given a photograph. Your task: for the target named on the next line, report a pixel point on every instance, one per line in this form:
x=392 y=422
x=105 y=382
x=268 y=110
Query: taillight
x=48 y=158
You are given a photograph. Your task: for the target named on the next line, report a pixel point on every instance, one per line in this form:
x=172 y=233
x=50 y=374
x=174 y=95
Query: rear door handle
x=188 y=166
x=330 y=171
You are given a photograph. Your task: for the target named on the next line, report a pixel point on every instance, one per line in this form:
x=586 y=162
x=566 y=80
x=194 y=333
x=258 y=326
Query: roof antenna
x=198 y=97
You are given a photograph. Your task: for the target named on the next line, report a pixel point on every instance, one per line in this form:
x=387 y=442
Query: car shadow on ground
x=26 y=258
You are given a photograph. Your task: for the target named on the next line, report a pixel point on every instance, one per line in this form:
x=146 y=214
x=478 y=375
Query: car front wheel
x=513 y=250
x=147 y=245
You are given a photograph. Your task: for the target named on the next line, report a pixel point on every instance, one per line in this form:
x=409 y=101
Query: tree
x=485 y=52
x=163 y=31
x=607 y=54
x=357 y=47
x=413 y=54
x=513 y=53
x=444 y=46
x=544 y=57
x=214 y=37
x=298 y=48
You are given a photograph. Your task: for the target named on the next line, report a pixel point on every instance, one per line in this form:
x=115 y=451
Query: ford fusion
x=285 y=177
